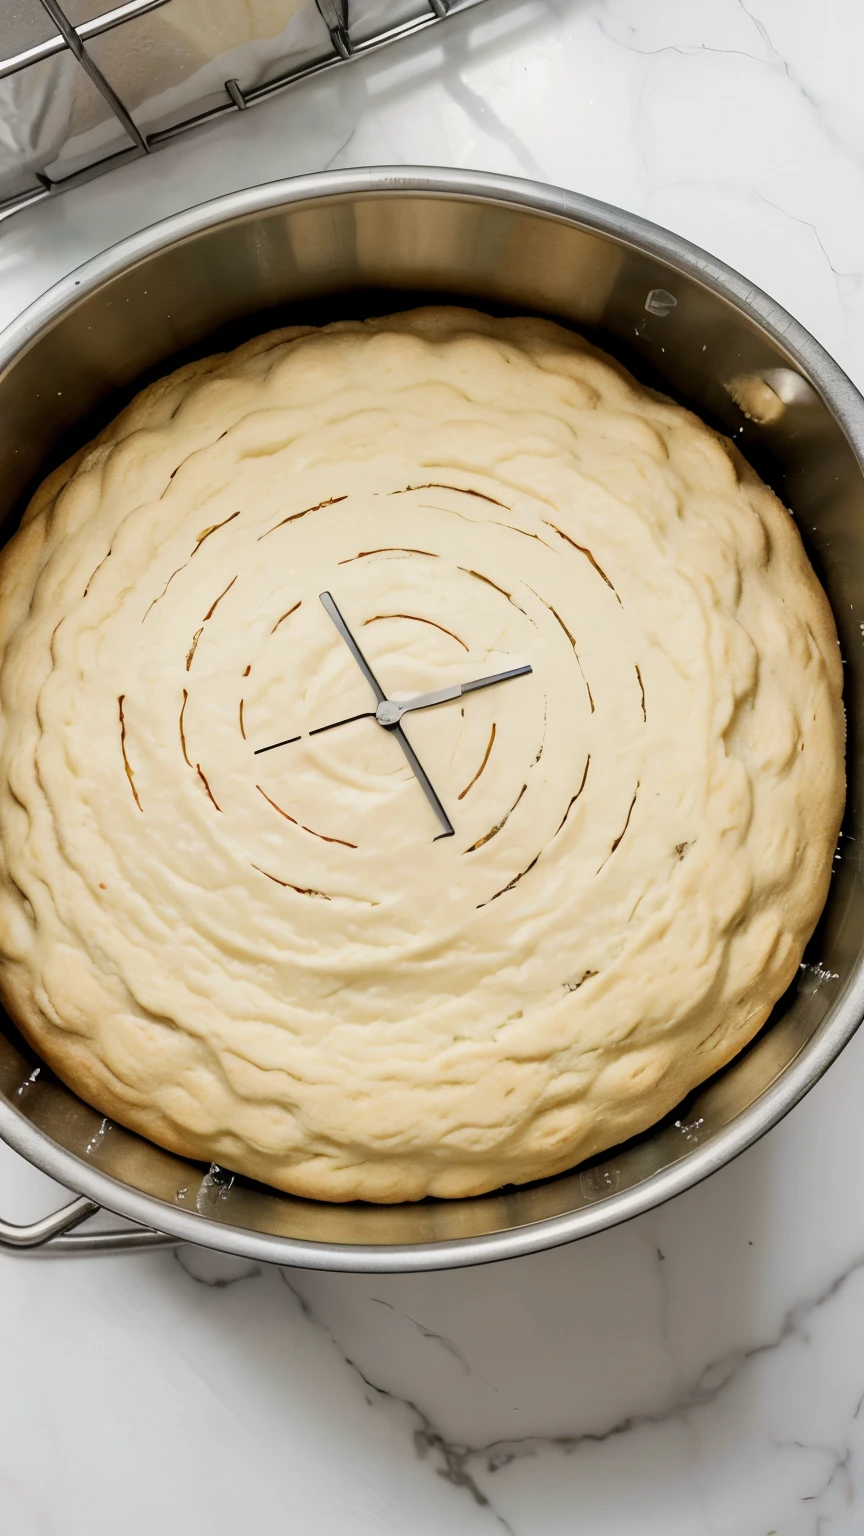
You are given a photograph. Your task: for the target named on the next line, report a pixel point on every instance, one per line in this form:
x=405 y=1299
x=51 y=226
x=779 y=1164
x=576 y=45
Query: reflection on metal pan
x=344 y=243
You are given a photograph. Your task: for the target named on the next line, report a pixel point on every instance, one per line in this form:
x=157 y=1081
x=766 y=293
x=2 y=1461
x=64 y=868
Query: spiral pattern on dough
x=266 y=958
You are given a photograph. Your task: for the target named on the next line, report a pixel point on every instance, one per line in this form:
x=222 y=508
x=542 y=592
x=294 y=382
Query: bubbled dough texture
x=269 y=961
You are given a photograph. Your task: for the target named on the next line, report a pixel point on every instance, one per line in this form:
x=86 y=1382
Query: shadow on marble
x=665 y=1365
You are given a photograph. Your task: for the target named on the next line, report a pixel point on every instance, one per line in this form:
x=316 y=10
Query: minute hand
x=333 y=611
x=416 y=766
x=390 y=711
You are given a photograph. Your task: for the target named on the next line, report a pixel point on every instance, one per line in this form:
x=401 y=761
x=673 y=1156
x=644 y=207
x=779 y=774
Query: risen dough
x=268 y=960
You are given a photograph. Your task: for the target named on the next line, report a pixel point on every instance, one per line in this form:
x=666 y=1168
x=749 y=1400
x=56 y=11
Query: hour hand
x=416 y=766
x=390 y=711
x=330 y=608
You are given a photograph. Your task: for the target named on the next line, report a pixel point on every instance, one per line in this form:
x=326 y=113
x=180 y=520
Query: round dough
x=270 y=961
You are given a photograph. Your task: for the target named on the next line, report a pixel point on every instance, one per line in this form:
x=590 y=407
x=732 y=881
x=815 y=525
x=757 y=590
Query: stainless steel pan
x=343 y=243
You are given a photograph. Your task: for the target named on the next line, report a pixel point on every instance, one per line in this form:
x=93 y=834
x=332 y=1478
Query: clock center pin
x=388 y=713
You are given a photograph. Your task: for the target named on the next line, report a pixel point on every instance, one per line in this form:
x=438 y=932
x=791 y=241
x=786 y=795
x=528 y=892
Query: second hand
x=389 y=712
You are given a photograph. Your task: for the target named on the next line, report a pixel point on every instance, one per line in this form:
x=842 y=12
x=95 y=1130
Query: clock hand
x=364 y=668
x=390 y=711
x=423 y=780
x=413 y=760
x=274 y=744
x=496 y=677
x=367 y=714
x=407 y=748
x=330 y=607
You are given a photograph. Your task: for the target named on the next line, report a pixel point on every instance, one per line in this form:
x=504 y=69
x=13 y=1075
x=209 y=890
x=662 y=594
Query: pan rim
x=843 y=1017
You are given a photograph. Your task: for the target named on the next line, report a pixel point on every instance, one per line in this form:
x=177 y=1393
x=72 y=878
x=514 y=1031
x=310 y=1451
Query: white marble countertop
x=701 y=1371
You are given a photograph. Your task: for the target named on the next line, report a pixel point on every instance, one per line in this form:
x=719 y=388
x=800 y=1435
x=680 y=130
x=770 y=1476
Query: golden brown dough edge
x=150 y=405
x=379 y=1183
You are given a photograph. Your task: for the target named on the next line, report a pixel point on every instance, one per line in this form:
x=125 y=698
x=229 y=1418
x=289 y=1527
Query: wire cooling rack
x=71 y=37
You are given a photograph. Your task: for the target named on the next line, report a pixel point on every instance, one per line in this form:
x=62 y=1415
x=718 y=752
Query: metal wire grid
x=75 y=38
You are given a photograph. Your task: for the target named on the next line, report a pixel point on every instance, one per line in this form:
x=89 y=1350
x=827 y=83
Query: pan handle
x=53 y=1236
